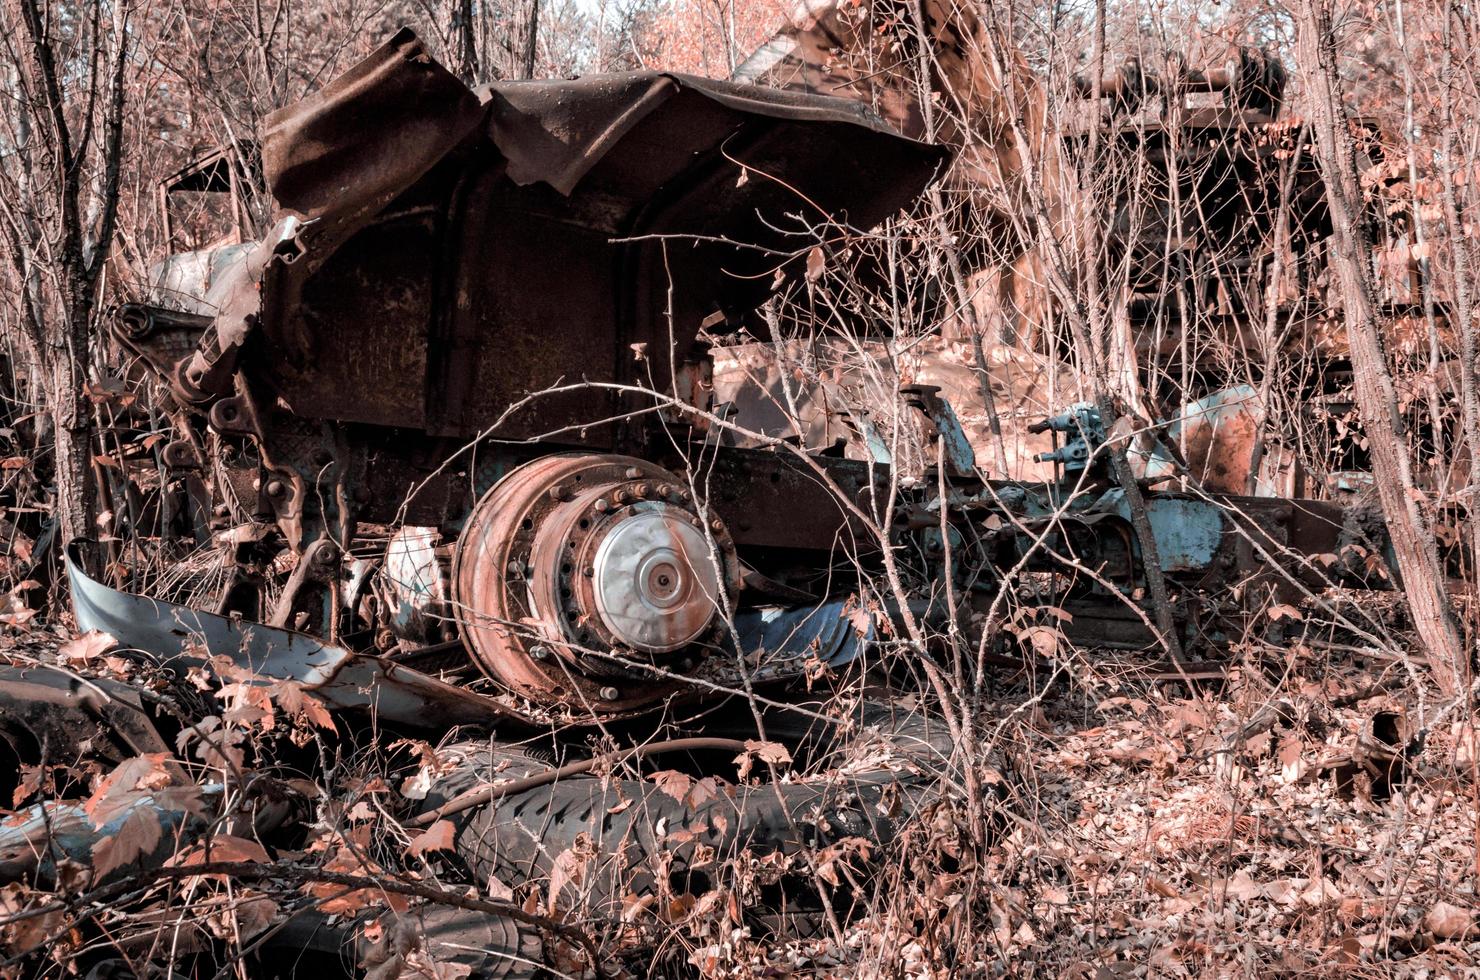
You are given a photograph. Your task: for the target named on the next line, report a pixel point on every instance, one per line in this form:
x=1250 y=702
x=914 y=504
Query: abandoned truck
x=448 y=420
x=474 y=331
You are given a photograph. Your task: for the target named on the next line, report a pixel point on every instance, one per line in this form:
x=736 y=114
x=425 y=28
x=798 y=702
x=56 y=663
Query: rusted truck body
x=461 y=286
x=478 y=327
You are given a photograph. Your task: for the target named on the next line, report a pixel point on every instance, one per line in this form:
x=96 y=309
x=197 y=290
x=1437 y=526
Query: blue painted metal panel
x=1187 y=532
x=825 y=631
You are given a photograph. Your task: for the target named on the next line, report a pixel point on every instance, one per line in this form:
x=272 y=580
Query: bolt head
x=275 y=488
x=602 y=506
x=632 y=473
x=610 y=694
x=539 y=652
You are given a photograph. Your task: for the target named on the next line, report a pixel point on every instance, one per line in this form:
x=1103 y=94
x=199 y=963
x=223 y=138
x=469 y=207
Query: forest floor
x=1321 y=825
x=1311 y=813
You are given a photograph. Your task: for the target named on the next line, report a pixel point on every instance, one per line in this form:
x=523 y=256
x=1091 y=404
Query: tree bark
x=1410 y=530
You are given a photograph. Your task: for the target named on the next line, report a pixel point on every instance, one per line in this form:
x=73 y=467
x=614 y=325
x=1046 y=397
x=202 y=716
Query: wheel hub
x=575 y=573
x=655 y=583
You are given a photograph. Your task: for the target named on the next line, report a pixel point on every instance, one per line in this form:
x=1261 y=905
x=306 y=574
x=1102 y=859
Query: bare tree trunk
x=61 y=224
x=1464 y=319
x=1411 y=532
x=466 y=42
x=531 y=39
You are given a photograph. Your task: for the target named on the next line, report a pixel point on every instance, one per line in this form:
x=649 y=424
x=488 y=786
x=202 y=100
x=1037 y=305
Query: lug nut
x=275 y=488
x=538 y=652
x=559 y=493
x=643 y=490
x=610 y=694
x=601 y=506
x=622 y=496
x=633 y=473
x=717 y=526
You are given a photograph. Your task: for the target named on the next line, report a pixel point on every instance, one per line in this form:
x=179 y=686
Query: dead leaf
x=440 y=836
x=1162 y=888
x=673 y=783
x=1450 y=921
x=301 y=705
x=89 y=646
x=137 y=836
x=142 y=772
x=27 y=785
x=222 y=847
x=569 y=868
x=704 y=790
x=21 y=935
x=1281 y=611
x=816 y=263
x=1045 y=640
x=768 y=752
x=336 y=900
x=1292 y=766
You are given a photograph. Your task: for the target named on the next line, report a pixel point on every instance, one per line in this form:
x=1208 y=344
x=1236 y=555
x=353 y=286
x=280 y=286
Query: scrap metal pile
x=440 y=426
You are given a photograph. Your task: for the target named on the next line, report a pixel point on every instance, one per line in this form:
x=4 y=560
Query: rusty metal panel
x=359 y=350
x=773 y=500
x=344 y=152
x=474 y=251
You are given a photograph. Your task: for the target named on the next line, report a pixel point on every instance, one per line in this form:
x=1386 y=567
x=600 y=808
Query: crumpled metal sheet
x=370 y=133
x=180 y=635
x=675 y=197
x=348 y=149
x=557 y=132
x=774 y=640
